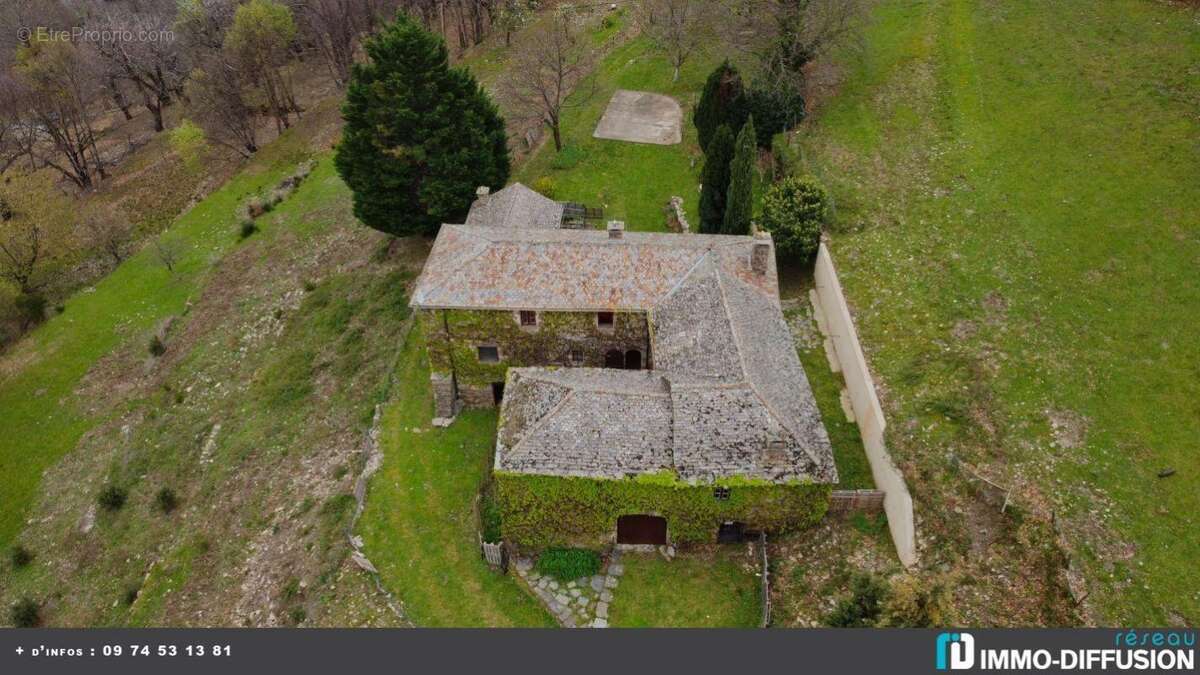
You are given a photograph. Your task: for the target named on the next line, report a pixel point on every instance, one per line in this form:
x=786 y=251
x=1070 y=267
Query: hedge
x=545 y=511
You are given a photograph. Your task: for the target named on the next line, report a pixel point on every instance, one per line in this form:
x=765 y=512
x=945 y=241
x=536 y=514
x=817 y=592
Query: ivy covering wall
x=542 y=511
x=549 y=343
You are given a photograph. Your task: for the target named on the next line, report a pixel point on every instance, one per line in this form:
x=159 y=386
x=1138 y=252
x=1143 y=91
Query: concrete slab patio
x=641 y=117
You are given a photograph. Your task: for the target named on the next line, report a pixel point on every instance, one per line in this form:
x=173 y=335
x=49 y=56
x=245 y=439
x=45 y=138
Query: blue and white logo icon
x=955 y=651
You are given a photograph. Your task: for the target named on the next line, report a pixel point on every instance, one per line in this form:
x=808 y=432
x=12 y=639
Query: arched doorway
x=614 y=359
x=642 y=529
x=633 y=360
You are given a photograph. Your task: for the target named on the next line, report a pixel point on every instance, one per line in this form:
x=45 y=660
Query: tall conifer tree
x=420 y=136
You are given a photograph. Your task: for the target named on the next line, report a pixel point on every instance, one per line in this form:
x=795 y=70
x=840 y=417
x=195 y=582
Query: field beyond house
x=1018 y=229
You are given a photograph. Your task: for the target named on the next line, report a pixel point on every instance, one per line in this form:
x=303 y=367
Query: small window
x=489 y=354
x=576 y=355
x=528 y=318
x=604 y=319
x=721 y=493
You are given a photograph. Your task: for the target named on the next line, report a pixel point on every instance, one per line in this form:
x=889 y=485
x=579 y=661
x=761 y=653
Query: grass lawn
x=714 y=587
x=419 y=527
x=42 y=420
x=1018 y=228
x=632 y=181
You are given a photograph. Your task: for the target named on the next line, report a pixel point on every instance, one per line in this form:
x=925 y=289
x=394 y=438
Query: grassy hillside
x=38 y=377
x=420 y=527
x=253 y=417
x=1018 y=228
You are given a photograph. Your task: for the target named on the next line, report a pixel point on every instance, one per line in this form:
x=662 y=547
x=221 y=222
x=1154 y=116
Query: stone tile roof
x=585 y=422
x=728 y=396
x=507 y=268
x=516 y=206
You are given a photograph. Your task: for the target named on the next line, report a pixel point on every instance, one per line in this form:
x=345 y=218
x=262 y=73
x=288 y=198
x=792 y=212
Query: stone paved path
x=580 y=603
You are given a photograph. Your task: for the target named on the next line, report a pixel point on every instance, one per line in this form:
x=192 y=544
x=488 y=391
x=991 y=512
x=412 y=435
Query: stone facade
x=569 y=339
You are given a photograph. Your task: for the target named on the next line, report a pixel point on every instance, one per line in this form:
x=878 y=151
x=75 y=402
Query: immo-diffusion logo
x=1132 y=650
x=955 y=651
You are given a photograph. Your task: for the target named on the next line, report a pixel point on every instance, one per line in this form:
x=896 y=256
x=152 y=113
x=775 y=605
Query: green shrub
x=131 y=595
x=568 y=158
x=20 y=556
x=166 y=500
x=25 y=614
x=794 y=209
x=247 y=228
x=489 y=516
x=156 y=347
x=298 y=615
x=914 y=602
x=187 y=141
x=863 y=607
x=112 y=498
x=546 y=186
x=566 y=564
x=31 y=308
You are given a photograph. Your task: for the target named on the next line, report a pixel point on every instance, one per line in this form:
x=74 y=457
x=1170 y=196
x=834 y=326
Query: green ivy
x=545 y=511
x=519 y=347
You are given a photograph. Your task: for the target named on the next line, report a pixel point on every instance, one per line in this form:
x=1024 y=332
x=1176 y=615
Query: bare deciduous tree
x=107 y=232
x=57 y=82
x=220 y=107
x=137 y=46
x=785 y=35
x=167 y=253
x=548 y=68
x=678 y=28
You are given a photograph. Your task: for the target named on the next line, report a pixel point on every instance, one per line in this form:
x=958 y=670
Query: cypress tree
x=721 y=102
x=715 y=181
x=739 y=203
x=420 y=136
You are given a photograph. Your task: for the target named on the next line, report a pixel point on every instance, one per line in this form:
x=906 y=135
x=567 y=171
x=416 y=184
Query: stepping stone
x=575 y=593
x=597 y=583
x=610 y=582
x=563 y=599
x=571 y=584
x=553 y=585
x=602 y=610
x=616 y=570
x=582 y=602
x=606 y=596
x=599 y=623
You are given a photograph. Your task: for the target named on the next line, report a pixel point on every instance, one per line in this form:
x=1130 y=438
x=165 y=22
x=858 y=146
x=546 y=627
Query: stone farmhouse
x=648 y=385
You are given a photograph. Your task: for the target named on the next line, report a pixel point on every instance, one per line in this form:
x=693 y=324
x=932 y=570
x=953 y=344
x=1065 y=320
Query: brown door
x=641 y=530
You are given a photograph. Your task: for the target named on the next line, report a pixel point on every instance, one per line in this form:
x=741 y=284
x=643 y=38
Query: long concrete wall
x=846 y=354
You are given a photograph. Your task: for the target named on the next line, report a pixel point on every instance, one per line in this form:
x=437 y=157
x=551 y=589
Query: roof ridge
x=779 y=418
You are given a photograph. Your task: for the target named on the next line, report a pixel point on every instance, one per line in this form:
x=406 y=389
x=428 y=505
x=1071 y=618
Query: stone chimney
x=616 y=229
x=760 y=253
x=482 y=191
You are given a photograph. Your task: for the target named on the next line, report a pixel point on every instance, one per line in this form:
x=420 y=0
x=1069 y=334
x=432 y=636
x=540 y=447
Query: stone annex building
x=648 y=385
